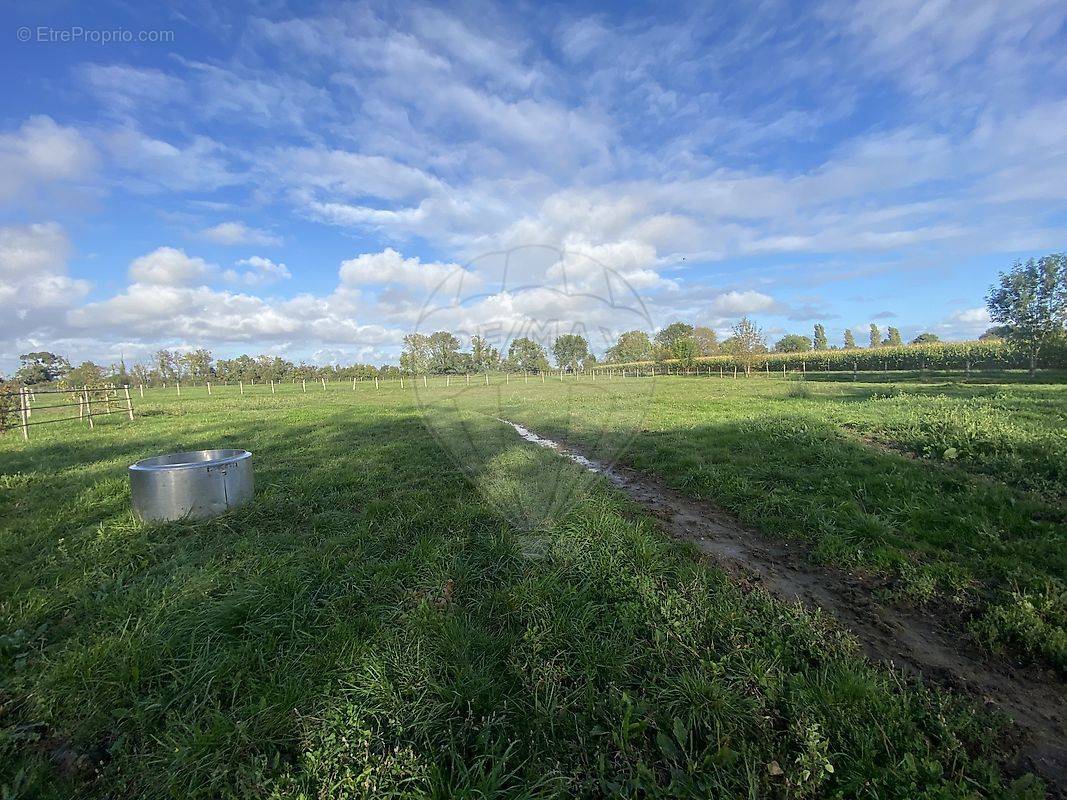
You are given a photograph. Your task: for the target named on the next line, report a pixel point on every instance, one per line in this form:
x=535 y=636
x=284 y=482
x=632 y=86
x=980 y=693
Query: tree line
x=1028 y=302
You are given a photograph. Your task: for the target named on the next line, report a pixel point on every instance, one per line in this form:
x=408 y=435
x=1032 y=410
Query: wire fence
x=19 y=405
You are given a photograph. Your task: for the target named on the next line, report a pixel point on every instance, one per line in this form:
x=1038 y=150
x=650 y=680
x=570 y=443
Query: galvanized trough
x=196 y=485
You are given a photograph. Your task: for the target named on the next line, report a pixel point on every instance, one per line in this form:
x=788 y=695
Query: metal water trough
x=197 y=485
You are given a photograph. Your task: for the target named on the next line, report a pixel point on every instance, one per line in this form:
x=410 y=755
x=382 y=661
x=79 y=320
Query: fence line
x=82 y=399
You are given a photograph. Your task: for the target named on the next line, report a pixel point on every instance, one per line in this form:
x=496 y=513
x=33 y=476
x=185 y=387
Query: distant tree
x=707 y=341
x=140 y=374
x=197 y=364
x=167 y=365
x=631 y=346
x=926 y=338
x=41 y=367
x=892 y=337
x=86 y=374
x=527 y=355
x=996 y=332
x=876 y=336
x=672 y=333
x=443 y=352
x=416 y=355
x=684 y=350
x=746 y=340
x=819 y=341
x=1031 y=299
x=571 y=351
x=483 y=356
x=792 y=343
x=850 y=340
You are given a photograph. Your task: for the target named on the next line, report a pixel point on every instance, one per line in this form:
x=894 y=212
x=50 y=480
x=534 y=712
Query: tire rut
x=914 y=641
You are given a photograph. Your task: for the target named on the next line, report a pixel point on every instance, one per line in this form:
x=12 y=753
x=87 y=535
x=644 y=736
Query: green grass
x=954 y=491
x=396 y=615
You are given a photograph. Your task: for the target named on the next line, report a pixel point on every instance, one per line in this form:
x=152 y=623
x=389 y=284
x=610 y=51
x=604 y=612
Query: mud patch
x=913 y=641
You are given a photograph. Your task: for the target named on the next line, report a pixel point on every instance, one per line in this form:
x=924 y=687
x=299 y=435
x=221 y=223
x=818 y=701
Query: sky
x=302 y=179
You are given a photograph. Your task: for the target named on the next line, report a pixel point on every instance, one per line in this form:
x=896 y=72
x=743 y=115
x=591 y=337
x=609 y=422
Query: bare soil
x=913 y=640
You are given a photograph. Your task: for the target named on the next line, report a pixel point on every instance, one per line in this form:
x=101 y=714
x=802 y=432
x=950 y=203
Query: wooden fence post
x=129 y=402
x=542 y=376
x=487 y=378
x=89 y=407
x=304 y=385
x=24 y=413
x=242 y=387
x=272 y=387
x=209 y=388
x=323 y=384
x=375 y=381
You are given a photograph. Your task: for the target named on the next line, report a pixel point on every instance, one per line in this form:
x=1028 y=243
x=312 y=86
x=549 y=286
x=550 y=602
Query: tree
x=41 y=367
x=527 y=355
x=631 y=346
x=86 y=374
x=443 y=353
x=483 y=356
x=996 y=332
x=416 y=355
x=850 y=340
x=166 y=365
x=684 y=350
x=819 y=341
x=892 y=338
x=197 y=364
x=792 y=343
x=746 y=340
x=141 y=374
x=706 y=340
x=926 y=338
x=571 y=351
x=667 y=337
x=1031 y=299
x=876 y=336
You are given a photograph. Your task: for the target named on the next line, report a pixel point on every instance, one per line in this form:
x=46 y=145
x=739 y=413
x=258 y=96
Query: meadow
x=419 y=603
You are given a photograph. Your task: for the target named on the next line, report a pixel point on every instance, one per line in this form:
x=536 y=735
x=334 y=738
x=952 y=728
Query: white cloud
x=168 y=266
x=237 y=233
x=34 y=283
x=738 y=303
x=40 y=153
x=261 y=272
x=390 y=267
x=972 y=316
x=153 y=165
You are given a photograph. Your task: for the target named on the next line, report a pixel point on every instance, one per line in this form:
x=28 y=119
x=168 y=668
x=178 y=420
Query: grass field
x=388 y=619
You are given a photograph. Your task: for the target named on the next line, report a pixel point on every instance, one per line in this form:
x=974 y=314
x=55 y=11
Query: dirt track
x=911 y=640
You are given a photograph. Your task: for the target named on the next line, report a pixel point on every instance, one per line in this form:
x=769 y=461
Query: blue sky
x=297 y=179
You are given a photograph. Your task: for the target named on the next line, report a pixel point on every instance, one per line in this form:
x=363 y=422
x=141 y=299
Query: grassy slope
x=370 y=626
x=834 y=463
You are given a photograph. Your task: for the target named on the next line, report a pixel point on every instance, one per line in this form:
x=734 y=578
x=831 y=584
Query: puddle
x=914 y=641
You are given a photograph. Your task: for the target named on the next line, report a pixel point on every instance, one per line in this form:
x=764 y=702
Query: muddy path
x=916 y=642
